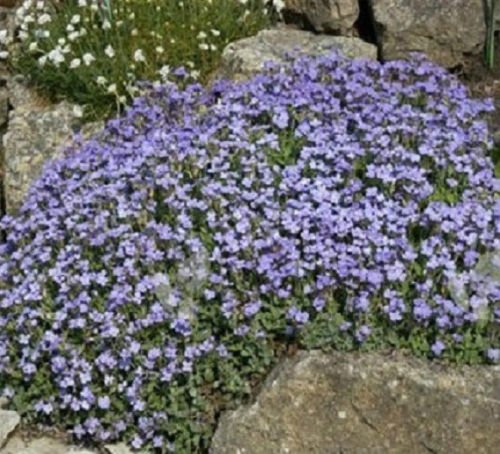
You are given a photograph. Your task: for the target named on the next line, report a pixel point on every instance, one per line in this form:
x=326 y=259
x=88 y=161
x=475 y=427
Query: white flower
x=44 y=19
x=164 y=71
x=33 y=46
x=61 y=41
x=134 y=32
x=195 y=74
x=106 y=25
x=139 y=56
x=3 y=36
x=75 y=63
x=203 y=46
x=215 y=32
x=202 y=35
x=213 y=47
x=70 y=28
x=66 y=49
x=29 y=19
x=40 y=5
x=75 y=19
x=243 y=2
x=23 y=36
x=82 y=3
x=159 y=50
x=83 y=32
x=94 y=7
x=42 y=60
x=3 y=54
x=56 y=56
x=109 y=51
x=73 y=36
x=88 y=58
x=77 y=111
x=112 y=88
x=131 y=16
x=101 y=80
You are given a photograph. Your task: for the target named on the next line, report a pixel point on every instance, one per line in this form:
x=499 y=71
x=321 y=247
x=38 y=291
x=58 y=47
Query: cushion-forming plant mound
x=151 y=271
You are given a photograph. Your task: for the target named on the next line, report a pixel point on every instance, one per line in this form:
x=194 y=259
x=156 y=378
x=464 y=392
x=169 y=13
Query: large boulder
x=443 y=30
x=246 y=57
x=37 y=132
x=367 y=403
x=337 y=16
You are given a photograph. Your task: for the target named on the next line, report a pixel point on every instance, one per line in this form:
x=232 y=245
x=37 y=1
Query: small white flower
x=82 y=3
x=42 y=60
x=112 y=88
x=3 y=54
x=61 y=41
x=109 y=51
x=215 y=32
x=75 y=63
x=195 y=74
x=203 y=46
x=159 y=50
x=3 y=36
x=94 y=7
x=29 y=19
x=122 y=99
x=88 y=58
x=139 y=56
x=101 y=80
x=73 y=36
x=134 y=32
x=77 y=111
x=83 y=32
x=40 y=5
x=172 y=41
x=243 y=2
x=131 y=16
x=23 y=36
x=106 y=25
x=70 y=28
x=201 y=35
x=164 y=71
x=66 y=49
x=44 y=19
x=76 y=19
x=56 y=56
x=33 y=46
x=213 y=47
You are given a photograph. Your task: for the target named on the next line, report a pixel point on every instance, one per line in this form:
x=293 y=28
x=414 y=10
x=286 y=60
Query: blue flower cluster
x=205 y=215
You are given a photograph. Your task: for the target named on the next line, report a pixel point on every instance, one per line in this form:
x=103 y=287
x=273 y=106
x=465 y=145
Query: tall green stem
x=490 y=33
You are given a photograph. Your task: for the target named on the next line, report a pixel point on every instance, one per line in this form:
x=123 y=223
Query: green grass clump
x=94 y=53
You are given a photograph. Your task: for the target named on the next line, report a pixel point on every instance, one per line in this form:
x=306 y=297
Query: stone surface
x=119 y=448
x=9 y=420
x=37 y=132
x=367 y=403
x=336 y=16
x=42 y=445
x=444 y=30
x=246 y=57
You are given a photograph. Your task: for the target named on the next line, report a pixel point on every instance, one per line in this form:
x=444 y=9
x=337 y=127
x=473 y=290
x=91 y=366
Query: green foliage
x=95 y=53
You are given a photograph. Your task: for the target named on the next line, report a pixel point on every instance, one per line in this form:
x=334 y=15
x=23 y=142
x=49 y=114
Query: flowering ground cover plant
x=153 y=272
x=93 y=52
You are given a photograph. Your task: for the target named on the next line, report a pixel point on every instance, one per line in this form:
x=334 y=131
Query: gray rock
x=443 y=30
x=367 y=403
x=244 y=58
x=119 y=448
x=325 y=15
x=41 y=445
x=9 y=420
x=37 y=132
